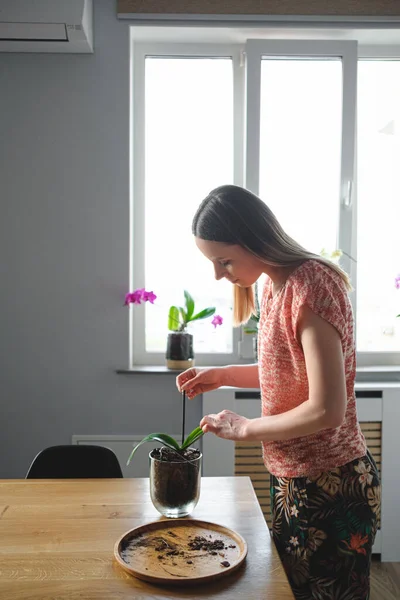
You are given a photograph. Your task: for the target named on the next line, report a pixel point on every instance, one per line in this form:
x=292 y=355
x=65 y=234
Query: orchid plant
x=255 y=317
x=178 y=316
x=333 y=256
x=138 y=296
x=170 y=442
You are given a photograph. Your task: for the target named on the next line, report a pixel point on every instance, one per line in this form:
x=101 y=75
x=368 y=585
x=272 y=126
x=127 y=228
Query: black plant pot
x=179 y=353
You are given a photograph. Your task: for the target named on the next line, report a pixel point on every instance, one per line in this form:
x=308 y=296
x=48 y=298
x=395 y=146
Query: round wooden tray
x=163 y=552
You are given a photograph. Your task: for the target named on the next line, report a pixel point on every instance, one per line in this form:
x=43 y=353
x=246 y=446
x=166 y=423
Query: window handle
x=348 y=195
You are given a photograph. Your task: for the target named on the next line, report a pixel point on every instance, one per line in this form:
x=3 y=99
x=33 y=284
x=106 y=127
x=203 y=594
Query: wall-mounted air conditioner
x=46 y=26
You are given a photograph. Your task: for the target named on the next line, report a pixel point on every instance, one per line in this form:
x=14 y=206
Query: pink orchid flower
x=217 y=320
x=138 y=296
x=149 y=297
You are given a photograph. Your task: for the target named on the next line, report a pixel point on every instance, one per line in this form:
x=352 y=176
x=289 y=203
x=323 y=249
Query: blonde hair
x=233 y=215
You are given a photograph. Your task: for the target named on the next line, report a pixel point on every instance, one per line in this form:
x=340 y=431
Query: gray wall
x=64 y=248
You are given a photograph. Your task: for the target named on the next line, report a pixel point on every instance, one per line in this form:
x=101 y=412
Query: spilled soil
x=168 y=548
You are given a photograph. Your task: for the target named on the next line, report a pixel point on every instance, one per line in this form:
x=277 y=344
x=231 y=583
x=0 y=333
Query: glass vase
x=175 y=484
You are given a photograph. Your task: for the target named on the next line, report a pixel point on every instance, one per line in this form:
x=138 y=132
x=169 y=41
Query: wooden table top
x=57 y=540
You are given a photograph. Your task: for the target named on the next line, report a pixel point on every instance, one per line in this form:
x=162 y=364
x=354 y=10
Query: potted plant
x=180 y=353
x=175 y=473
x=252 y=325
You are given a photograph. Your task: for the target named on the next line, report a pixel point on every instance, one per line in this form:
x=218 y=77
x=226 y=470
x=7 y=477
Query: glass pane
x=378 y=214
x=300 y=147
x=189 y=151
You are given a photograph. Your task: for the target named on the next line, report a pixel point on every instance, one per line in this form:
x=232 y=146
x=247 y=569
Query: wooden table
x=57 y=540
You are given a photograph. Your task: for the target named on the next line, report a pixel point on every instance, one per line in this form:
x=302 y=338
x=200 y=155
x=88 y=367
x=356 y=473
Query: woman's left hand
x=226 y=424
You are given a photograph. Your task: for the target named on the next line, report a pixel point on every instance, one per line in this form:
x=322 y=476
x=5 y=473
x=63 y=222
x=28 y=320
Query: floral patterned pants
x=324 y=528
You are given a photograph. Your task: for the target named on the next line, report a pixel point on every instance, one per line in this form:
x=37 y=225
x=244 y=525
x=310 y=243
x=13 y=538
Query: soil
x=169 y=455
x=175 y=477
x=167 y=550
x=201 y=543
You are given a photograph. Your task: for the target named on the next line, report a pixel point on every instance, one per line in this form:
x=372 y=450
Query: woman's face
x=233 y=262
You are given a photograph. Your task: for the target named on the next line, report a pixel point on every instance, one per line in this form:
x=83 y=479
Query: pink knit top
x=283 y=376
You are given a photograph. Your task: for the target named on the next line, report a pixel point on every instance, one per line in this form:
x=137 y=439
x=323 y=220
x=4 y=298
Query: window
x=378 y=252
x=188 y=146
x=189 y=151
x=300 y=143
x=279 y=117
x=300 y=146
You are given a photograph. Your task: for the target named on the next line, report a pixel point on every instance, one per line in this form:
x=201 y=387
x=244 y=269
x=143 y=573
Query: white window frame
x=138 y=355
x=368 y=360
x=347 y=52
x=350 y=53
x=247 y=83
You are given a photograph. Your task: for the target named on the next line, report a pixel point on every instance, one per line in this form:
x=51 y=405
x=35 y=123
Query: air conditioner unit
x=46 y=26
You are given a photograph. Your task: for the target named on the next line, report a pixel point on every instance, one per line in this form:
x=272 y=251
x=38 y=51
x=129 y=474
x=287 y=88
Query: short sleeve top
x=283 y=376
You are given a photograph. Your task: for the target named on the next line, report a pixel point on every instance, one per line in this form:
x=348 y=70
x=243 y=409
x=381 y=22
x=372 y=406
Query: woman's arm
x=201 y=380
x=326 y=405
x=242 y=376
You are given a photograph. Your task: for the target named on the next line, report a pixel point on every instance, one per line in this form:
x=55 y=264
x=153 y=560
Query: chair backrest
x=74 y=462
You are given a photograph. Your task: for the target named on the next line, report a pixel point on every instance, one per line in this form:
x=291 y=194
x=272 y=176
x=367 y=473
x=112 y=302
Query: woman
x=324 y=483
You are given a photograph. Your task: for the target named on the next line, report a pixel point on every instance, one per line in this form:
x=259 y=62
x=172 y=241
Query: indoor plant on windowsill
x=252 y=325
x=179 y=354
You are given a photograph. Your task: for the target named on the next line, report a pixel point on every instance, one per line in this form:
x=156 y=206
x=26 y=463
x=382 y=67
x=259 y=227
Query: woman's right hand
x=196 y=381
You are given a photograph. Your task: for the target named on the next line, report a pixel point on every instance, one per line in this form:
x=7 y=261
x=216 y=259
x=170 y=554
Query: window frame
x=246 y=62
x=384 y=361
x=138 y=354
x=347 y=52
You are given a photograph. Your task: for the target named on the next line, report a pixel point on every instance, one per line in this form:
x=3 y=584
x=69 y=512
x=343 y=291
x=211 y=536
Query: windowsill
x=146 y=369
x=364 y=374
x=379 y=369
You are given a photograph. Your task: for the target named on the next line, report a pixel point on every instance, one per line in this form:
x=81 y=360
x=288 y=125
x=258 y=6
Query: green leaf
x=195 y=435
x=163 y=438
x=189 y=305
x=183 y=315
x=173 y=319
x=203 y=314
x=249 y=330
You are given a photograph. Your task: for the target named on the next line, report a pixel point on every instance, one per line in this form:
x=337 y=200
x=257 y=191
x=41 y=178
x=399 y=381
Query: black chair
x=75 y=462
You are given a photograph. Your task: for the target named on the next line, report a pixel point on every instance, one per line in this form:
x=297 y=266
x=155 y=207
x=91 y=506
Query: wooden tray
x=160 y=552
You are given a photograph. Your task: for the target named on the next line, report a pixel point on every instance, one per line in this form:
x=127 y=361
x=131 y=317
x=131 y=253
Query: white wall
x=64 y=263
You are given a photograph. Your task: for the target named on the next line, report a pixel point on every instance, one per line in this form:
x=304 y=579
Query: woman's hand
x=226 y=424
x=197 y=381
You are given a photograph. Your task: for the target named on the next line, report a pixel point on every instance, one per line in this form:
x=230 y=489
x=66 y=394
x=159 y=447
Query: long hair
x=232 y=215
